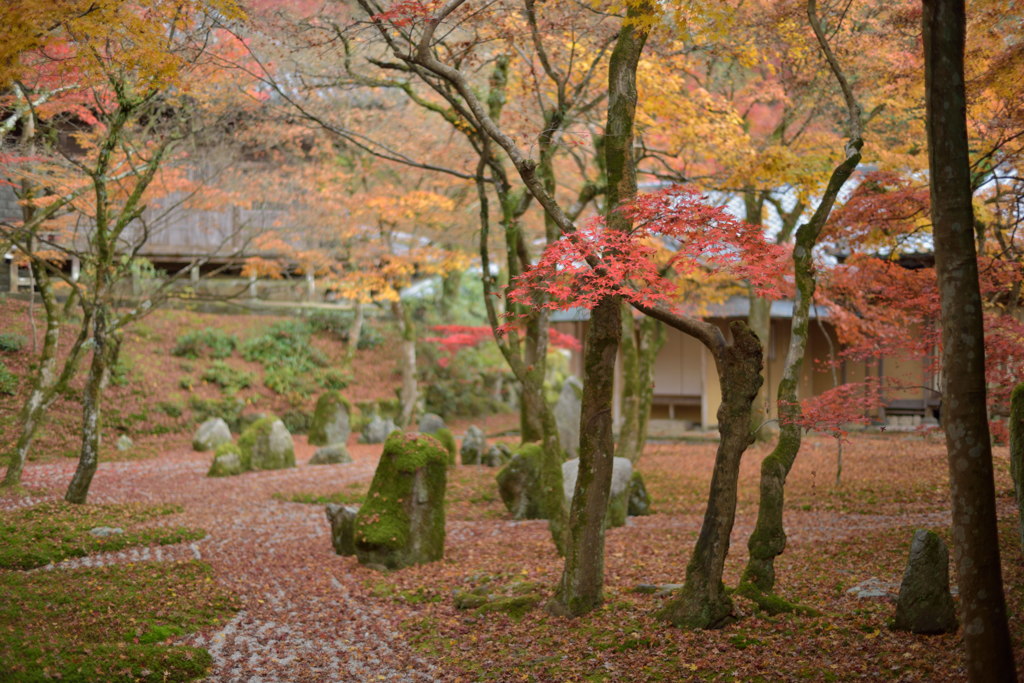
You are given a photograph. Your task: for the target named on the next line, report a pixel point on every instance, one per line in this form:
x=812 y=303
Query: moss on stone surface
x=402 y=521
x=515 y=606
x=224 y=465
x=323 y=415
x=252 y=433
x=255 y=445
x=447 y=440
x=519 y=483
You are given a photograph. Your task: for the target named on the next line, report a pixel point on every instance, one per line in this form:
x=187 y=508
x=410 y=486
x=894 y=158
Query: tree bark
x=641 y=341
x=702 y=601
x=964 y=419
x=409 y=392
x=355 y=331
x=581 y=587
x=1017 y=455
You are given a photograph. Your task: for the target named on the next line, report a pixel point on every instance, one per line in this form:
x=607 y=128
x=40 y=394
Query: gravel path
x=307 y=615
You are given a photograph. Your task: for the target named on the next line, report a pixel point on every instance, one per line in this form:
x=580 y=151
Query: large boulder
x=211 y=434
x=567 y=415
x=618 y=503
x=267 y=445
x=331 y=422
x=227 y=461
x=335 y=454
x=431 y=423
x=519 y=483
x=378 y=429
x=474 y=445
x=402 y=521
x=342 y=519
x=925 y=604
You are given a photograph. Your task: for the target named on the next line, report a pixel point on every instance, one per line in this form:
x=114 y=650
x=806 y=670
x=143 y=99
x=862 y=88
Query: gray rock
x=343 y=528
x=925 y=604
x=402 y=521
x=335 y=454
x=519 y=483
x=618 y=504
x=431 y=423
x=474 y=445
x=873 y=588
x=331 y=422
x=124 y=443
x=267 y=445
x=211 y=434
x=105 y=531
x=496 y=456
x=378 y=429
x=567 y=415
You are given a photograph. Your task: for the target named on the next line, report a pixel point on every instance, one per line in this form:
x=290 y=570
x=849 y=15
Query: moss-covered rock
x=639 y=499
x=267 y=445
x=519 y=483
x=474 y=445
x=331 y=420
x=335 y=454
x=497 y=455
x=227 y=461
x=211 y=434
x=402 y=521
x=447 y=440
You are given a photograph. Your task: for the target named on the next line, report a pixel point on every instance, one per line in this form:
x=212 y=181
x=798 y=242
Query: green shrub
x=12 y=343
x=465 y=384
x=336 y=323
x=297 y=421
x=332 y=378
x=228 y=409
x=170 y=408
x=286 y=379
x=206 y=342
x=228 y=378
x=120 y=374
x=283 y=342
x=8 y=381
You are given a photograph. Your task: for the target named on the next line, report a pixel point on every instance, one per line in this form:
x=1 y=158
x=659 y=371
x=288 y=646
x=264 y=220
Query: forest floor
x=306 y=614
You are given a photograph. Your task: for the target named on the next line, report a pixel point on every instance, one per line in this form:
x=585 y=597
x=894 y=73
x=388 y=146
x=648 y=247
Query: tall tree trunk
x=652 y=338
x=409 y=393
x=582 y=584
x=641 y=341
x=964 y=419
x=1017 y=454
x=355 y=331
x=759 y=321
x=702 y=601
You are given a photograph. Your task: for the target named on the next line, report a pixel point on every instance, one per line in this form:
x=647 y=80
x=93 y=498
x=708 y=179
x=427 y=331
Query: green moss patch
x=108 y=623
x=51 y=532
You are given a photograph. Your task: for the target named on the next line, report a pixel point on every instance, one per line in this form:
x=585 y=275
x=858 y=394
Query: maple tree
x=117 y=90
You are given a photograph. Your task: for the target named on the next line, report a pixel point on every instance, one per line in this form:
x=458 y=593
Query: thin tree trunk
x=652 y=339
x=964 y=419
x=354 y=333
x=759 y=321
x=582 y=584
x=88 y=459
x=1017 y=454
x=633 y=384
x=409 y=391
x=702 y=601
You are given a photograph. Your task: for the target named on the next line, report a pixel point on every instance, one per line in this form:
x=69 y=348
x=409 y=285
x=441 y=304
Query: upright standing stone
x=567 y=415
x=474 y=445
x=377 y=429
x=519 y=483
x=402 y=521
x=925 y=604
x=618 y=503
x=267 y=445
x=331 y=421
x=342 y=519
x=639 y=499
x=211 y=434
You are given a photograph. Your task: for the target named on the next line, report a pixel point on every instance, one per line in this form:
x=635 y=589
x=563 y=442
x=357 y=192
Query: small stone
x=105 y=531
x=474 y=445
x=124 y=443
x=925 y=604
x=431 y=423
x=873 y=588
x=342 y=519
x=497 y=455
x=211 y=434
x=335 y=454
x=378 y=429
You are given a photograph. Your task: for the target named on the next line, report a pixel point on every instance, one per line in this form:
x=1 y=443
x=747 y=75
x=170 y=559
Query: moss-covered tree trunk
x=581 y=587
x=769 y=537
x=759 y=321
x=355 y=331
x=1017 y=454
x=641 y=341
x=409 y=392
x=702 y=601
